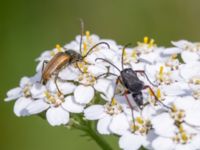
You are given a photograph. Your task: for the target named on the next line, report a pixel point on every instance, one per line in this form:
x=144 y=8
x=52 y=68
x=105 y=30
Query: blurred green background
x=29 y=27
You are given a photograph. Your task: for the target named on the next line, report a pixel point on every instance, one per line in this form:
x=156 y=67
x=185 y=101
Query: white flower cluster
x=170 y=114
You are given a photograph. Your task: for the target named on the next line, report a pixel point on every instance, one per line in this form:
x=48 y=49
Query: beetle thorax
x=74 y=56
x=131 y=80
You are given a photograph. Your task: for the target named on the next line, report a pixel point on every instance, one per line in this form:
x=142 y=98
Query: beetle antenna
x=96 y=46
x=106 y=74
x=143 y=72
x=108 y=63
x=123 y=51
x=150 y=80
x=81 y=38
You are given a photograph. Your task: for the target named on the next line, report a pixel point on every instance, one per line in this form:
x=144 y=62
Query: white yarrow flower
x=92 y=89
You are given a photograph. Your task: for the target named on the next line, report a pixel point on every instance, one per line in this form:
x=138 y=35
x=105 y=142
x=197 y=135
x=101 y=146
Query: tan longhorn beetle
x=61 y=59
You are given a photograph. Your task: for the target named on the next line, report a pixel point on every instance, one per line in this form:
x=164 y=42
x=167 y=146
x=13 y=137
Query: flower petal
x=24 y=81
x=64 y=87
x=190 y=70
x=131 y=141
x=106 y=87
x=181 y=43
x=20 y=106
x=163 y=125
x=71 y=106
x=196 y=142
x=162 y=143
x=119 y=124
x=97 y=69
x=37 y=90
x=94 y=112
x=148 y=112
x=37 y=106
x=13 y=94
x=191 y=107
x=46 y=55
x=171 y=51
x=57 y=116
x=69 y=73
x=150 y=57
x=185 y=103
x=189 y=57
x=103 y=125
x=175 y=89
x=83 y=94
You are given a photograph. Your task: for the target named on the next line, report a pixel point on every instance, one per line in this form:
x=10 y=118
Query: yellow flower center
x=195 y=80
x=158 y=93
x=130 y=57
x=55 y=99
x=87 y=33
x=146 y=40
x=59 y=48
x=87 y=78
x=139 y=120
x=26 y=90
x=84 y=48
x=149 y=42
x=173 y=62
x=83 y=66
x=141 y=126
x=113 y=107
x=152 y=99
x=181 y=136
x=161 y=73
x=134 y=54
x=86 y=43
x=163 y=77
x=196 y=94
x=113 y=101
x=177 y=114
x=174 y=56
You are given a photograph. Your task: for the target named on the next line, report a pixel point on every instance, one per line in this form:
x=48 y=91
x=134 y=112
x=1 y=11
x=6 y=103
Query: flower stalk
x=89 y=129
x=98 y=139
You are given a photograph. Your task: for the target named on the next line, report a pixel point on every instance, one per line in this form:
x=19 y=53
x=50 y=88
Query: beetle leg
x=130 y=105
x=79 y=67
x=55 y=80
x=43 y=64
x=128 y=101
x=156 y=98
x=148 y=87
x=118 y=80
x=116 y=83
x=62 y=80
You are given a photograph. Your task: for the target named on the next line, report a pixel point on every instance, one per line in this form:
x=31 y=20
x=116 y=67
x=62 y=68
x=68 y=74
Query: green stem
x=90 y=131
x=99 y=140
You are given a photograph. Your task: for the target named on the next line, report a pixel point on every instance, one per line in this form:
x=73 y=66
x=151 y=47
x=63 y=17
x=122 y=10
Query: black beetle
x=129 y=79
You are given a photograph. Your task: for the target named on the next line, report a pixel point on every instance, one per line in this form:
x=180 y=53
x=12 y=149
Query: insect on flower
x=129 y=79
x=62 y=59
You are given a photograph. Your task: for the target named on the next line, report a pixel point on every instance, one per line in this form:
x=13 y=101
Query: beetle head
x=74 y=56
x=129 y=73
